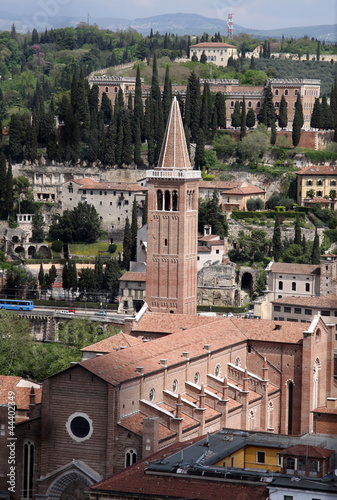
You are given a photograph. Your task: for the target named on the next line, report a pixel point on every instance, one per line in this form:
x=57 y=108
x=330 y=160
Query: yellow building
x=317 y=184
x=253 y=457
x=216 y=52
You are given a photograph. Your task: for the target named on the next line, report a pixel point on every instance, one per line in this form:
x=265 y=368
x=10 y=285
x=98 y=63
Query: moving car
x=100 y=313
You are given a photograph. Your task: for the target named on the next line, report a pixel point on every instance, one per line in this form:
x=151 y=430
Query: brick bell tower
x=171 y=265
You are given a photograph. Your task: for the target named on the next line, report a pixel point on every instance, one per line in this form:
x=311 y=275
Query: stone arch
x=44 y=250
x=31 y=251
x=70 y=480
x=19 y=249
x=247 y=281
x=15 y=239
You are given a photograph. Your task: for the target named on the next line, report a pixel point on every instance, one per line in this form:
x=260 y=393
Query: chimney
x=163 y=362
x=331 y=403
x=207 y=347
x=186 y=355
x=140 y=370
x=32 y=397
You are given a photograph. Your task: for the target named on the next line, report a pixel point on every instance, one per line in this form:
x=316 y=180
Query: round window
x=196 y=378
x=152 y=394
x=217 y=370
x=79 y=426
x=175 y=385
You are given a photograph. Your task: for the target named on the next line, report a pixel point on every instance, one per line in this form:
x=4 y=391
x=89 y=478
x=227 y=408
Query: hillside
x=179 y=23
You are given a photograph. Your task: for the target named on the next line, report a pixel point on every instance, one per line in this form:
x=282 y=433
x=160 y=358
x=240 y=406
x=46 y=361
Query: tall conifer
x=243 y=129
x=283 y=113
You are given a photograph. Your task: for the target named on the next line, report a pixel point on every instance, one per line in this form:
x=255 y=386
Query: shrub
x=112 y=248
x=57 y=246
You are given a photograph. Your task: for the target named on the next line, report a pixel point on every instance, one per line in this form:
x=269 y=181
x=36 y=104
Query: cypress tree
x=138 y=105
x=31 y=143
x=283 y=113
x=243 y=130
x=252 y=63
x=147 y=124
x=273 y=135
x=194 y=86
x=187 y=114
x=134 y=228
x=277 y=244
x=316 y=117
x=38 y=227
x=267 y=113
x=93 y=98
x=145 y=208
x=299 y=110
x=236 y=117
x=119 y=145
x=127 y=244
x=220 y=104
x=150 y=150
x=167 y=95
x=304 y=244
x=9 y=187
x=76 y=138
x=16 y=137
x=106 y=108
x=138 y=143
x=199 y=159
x=204 y=112
x=250 y=120
x=318 y=50
x=315 y=254
x=214 y=121
x=93 y=139
x=41 y=275
x=127 y=139
x=159 y=130
x=326 y=114
x=296 y=133
x=2 y=180
x=130 y=104
x=298 y=236
x=109 y=150
x=187 y=137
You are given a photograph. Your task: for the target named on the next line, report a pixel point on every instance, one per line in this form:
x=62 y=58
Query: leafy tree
x=315 y=254
x=277 y=243
x=203 y=58
x=250 y=120
x=38 y=227
x=236 y=117
x=243 y=130
x=82 y=224
x=283 y=113
x=254 y=145
x=316 y=116
x=298 y=236
x=9 y=187
x=210 y=213
x=127 y=244
x=111 y=277
x=311 y=193
x=15 y=344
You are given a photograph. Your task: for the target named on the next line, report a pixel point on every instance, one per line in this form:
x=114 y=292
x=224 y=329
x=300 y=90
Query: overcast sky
x=258 y=14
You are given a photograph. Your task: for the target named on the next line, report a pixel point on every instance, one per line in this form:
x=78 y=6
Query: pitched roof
x=111 y=344
x=218 y=184
x=327 y=302
x=285 y=268
x=303 y=450
x=21 y=389
x=88 y=183
x=247 y=189
x=213 y=45
x=133 y=276
x=117 y=367
x=174 y=153
x=318 y=170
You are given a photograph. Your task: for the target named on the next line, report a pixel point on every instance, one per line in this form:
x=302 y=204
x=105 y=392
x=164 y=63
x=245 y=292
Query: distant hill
x=181 y=24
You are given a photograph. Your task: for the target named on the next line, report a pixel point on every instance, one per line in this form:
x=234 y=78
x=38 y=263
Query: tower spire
x=174 y=153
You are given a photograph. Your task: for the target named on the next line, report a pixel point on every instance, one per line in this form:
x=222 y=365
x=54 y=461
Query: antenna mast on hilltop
x=230 y=26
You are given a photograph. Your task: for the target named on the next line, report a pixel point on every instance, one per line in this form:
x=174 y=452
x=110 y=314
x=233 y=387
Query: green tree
x=138 y=105
x=296 y=133
x=277 y=243
x=127 y=139
x=203 y=58
x=267 y=113
x=111 y=277
x=167 y=95
x=2 y=180
x=134 y=228
x=138 y=144
x=15 y=344
x=315 y=254
x=316 y=116
x=41 y=276
x=195 y=104
x=38 y=228
x=127 y=244
x=283 y=113
x=273 y=135
x=299 y=110
x=250 y=120
x=9 y=187
x=255 y=144
x=236 y=117
x=298 y=236
x=145 y=209
x=220 y=106
x=243 y=130
x=199 y=158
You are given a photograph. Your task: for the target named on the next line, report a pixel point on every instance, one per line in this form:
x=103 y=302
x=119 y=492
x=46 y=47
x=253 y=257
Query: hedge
x=224 y=309
x=68 y=303
x=271 y=214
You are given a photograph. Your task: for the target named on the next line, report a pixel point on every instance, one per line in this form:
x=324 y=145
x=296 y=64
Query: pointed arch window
x=130 y=457
x=167 y=201
x=28 y=469
x=175 y=201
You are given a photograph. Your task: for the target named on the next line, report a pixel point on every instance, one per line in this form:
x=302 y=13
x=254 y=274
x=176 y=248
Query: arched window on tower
x=175 y=201
x=167 y=201
x=159 y=200
x=130 y=457
x=28 y=469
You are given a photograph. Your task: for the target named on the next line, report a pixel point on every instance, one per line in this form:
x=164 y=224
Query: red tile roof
x=135 y=424
x=171 y=323
x=218 y=184
x=213 y=45
x=318 y=170
x=284 y=268
x=134 y=480
x=302 y=450
x=87 y=183
x=132 y=276
x=249 y=189
x=325 y=302
x=21 y=389
x=111 y=344
x=324 y=409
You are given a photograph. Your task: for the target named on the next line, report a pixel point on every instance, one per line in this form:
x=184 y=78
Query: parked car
x=67 y=311
x=71 y=310
x=101 y=312
x=230 y=315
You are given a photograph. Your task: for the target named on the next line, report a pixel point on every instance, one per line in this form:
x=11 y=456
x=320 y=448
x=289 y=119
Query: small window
x=152 y=394
x=307 y=287
x=196 y=378
x=288 y=497
x=308 y=312
x=261 y=457
x=258 y=104
x=101 y=193
x=293 y=286
x=287 y=309
x=286 y=92
x=297 y=310
x=84 y=191
x=276 y=91
x=106 y=90
x=91 y=192
x=277 y=308
x=325 y=313
x=295 y=92
x=280 y=285
x=175 y=385
x=233 y=462
x=217 y=371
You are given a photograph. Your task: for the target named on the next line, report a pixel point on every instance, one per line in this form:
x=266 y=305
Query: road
x=81 y=313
